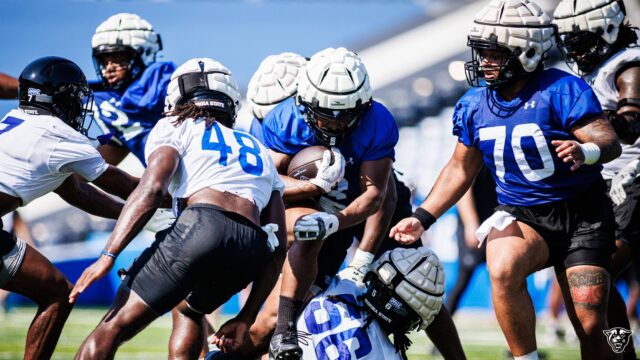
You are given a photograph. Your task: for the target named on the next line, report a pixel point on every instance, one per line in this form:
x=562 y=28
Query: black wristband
x=425 y=217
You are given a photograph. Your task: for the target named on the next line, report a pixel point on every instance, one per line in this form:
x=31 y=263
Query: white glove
x=329 y=174
x=357 y=268
x=272 y=239
x=623 y=178
x=161 y=219
x=316 y=226
x=327 y=203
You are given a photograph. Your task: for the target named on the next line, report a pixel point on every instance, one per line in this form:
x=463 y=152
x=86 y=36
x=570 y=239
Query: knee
x=505 y=276
x=56 y=295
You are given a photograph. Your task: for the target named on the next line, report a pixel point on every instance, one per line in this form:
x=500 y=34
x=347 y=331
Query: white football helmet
x=273 y=82
x=206 y=83
x=128 y=33
x=519 y=26
x=334 y=86
x=587 y=29
x=405 y=289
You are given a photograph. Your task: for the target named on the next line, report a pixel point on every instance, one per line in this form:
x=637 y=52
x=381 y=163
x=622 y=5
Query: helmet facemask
x=343 y=121
x=509 y=68
x=134 y=67
x=584 y=51
x=73 y=104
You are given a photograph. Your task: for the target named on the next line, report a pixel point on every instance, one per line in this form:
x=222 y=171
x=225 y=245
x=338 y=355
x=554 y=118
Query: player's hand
x=272 y=238
x=231 y=335
x=569 y=151
x=161 y=219
x=90 y=275
x=407 y=231
x=327 y=203
x=329 y=174
x=358 y=267
x=624 y=178
x=316 y=226
x=470 y=238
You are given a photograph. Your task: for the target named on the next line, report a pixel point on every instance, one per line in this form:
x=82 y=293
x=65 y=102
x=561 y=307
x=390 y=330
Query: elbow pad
x=623 y=127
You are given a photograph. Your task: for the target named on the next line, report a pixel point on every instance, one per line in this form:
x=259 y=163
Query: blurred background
x=414 y=51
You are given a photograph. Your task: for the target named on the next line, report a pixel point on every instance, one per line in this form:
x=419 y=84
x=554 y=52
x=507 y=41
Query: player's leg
x=37 y=279
x=443 y=334
x=513 y=254
x=585 y=289
x=128 y=315
x=187 y=334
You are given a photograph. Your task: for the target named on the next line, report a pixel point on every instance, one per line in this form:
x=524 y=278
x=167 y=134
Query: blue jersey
x=285 y=131
x=515 y=136
x=130 y=114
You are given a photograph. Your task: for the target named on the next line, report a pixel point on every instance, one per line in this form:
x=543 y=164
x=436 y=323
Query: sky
x=237 y=33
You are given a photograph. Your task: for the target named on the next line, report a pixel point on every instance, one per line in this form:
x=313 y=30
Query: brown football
x=305 y=163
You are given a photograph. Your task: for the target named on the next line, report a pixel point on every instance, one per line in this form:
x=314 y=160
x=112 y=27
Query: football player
x=42 y=143
x=543 y=135
x=224 y=185
x=603 y=50
x=333 y=107
x=130 y=94
x=271 y=84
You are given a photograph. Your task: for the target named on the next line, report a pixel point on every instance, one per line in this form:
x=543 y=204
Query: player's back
x=33 y=148
x=216 y=157
x=335 y=321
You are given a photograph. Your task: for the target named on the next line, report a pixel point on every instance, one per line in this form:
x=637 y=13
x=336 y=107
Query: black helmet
x=58 y=87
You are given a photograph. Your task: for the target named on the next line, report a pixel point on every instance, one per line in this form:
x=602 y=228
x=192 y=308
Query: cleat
x=284 y=346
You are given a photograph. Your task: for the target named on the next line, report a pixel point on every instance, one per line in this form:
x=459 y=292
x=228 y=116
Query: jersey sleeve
x=149 y=92
x=385 y=136
x=165 y=134
x=73 y=155
x=573 y=101
x=462 y=126
x=274 y=135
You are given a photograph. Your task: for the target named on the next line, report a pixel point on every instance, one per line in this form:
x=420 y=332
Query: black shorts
x=628 y=216
x=578 y=231
x=206 y=257
x=334 y=249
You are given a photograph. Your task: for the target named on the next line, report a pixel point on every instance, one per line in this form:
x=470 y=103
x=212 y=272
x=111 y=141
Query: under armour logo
x=530 y=104
x=350 y=161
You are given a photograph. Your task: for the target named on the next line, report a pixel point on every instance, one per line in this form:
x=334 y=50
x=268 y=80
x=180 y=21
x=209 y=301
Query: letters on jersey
x=285 y=131
x=216 y=157
x=337 y=328
x=130 y=114
x=515 y=136
x=38 y=152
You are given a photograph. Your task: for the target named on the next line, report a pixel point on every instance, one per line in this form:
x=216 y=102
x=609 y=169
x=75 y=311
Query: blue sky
x=237 y=33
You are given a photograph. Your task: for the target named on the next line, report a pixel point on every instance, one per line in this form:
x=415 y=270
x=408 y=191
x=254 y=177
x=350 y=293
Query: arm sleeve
x=77 y=156
x=165 y=134
x=461 y=125
x=575 y=102
x=385 y=136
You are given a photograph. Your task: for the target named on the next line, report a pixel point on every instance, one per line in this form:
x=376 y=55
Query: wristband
x=425 y=217
x=361 y=258
x=106 y=253
x=591 y=153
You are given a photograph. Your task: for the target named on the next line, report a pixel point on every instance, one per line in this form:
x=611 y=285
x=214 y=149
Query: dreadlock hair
x=190 y=110
x=627 y=37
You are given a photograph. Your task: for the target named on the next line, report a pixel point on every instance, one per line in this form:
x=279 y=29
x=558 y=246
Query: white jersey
x=336 y=328
x=7 y=222
x=603 y=83
x=38 y=152
x=218 y=158
x=251 y=126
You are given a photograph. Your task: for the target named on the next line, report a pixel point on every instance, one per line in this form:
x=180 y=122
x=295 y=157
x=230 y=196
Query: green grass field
x=480 y=334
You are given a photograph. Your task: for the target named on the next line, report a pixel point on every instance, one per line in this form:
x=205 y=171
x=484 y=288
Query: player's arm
x=87 y=198
x=454 y=180
x=376 y=225
x=116 y=182
x=374 y=177
x=294 y=189
x=626 y=120
x=469 y=217
x=137 y=211
x=8 y=87
x=597 y=143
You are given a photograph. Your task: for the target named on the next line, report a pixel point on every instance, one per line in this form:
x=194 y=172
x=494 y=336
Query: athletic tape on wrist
x=591 y=153
x=425 y=217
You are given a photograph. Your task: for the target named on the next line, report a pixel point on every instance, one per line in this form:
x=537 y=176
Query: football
x=304 y=165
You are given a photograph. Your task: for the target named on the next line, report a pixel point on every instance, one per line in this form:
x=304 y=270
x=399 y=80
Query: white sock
x=530 y=356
